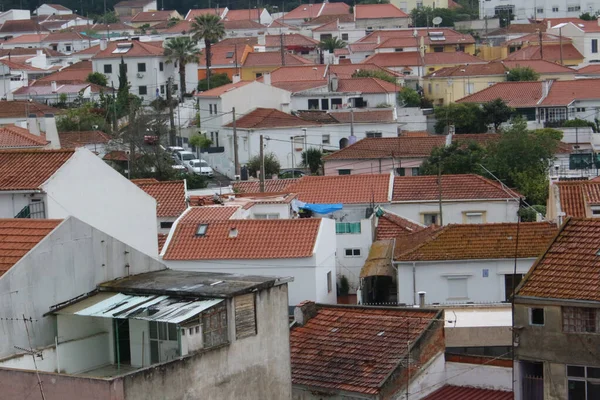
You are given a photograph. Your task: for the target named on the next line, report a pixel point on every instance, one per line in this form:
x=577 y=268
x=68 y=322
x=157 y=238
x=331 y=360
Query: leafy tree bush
x=311 y=159
x=579 y=123
x=332 y=43
x=83 y=118
x=216 y=80
x=586 y=16
x=375 y=74
x=466 y=118
x=409 y=97
x=200 y=142
x=497 y=112
x=97 y=78
x=272 y=165
x=522 y=74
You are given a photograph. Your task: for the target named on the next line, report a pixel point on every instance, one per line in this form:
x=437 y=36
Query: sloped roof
x=243 y=15
x=379 y=11
x=242 y=24
x=563 y=93
x=138 y=49
x=253 y=239
x=346 y=189
x=21 y=25
x=63 y=36
x=551 y=53
x=367 y=85
x=515 y=94
x=218 y=91
x=268 y=118
x=352 y=348
x=250 y=41
x=449 y=392
x=273 y=58
x=450 y=35
x=412 y=58
x=483 y=241
x=539 y=66
x=382 y=115
x=570 y=267
x=575 y=196
x=21 y=51
x=454 y=187
x=492 y=68
x=547 y=39
x=152 y=16
x=271 y=185
x=290 y=40
x=27 y=38
x=589 y=69
x=29 y=169
x=326 y=19
x=169 y=196
x=309 y=11
x=519 y=28
x=20 y=108
x=76 y=72
x=318 y=72
x=586 y=26
x=16 y=137
x=19 y=235
x=224 y=56
x=192 y=14
x=391 y=226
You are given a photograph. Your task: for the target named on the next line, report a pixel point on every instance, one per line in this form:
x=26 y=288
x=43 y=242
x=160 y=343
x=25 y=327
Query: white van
x=182 y=157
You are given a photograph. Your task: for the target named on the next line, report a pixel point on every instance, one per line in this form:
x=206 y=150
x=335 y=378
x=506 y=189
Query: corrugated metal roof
x=149 y=308
x=379 y=262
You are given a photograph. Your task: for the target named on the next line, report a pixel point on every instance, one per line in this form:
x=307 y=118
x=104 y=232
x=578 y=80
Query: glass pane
x=593 y=373
x=154 y=352
x=162 y=331
x=577 y=390
x=593 y=390
x=172 y=331
x=153 y=330
x=575 y=371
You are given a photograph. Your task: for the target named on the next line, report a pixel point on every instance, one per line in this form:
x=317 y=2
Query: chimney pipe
x=51 y=131
x=267 y=78
x=103 y=44
x=305 y=311
x=235 y=78
x=32 y=125
x=54 y=86
x=422 y=299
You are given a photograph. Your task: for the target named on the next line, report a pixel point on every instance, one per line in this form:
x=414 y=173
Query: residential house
x=342 y=27
x=54 y=93
x=401 y=155
x=151 y=18
x=243 y=27
x=293 y=43
x=541 y=10
x=58 y=23
x=468 y=263
x=94 y=141
x=380 y=16
x=279 y=27
x=584 y=35
x=14 y=15
x=129 y=8
x=307 y=12
x=193 y=13
x=206 y=239
x=258 y=64
x=76 y=72
x=14 y=28
x=52 y=9
x=403 y=346
x=224 y=60
x=171 y=201
x=21 y=72
x=576 y=198
x=147 y=70
x=553 y=48
x=556 y=317
x=260 y=15
x=17 y=112
x=59 y=183
x=14 y=137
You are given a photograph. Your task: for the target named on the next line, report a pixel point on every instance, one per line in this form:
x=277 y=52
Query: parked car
x=178 y=167
x=151 y=140
x=291 y=173
x=172 y=150
x=199 y=167
x=182 y=157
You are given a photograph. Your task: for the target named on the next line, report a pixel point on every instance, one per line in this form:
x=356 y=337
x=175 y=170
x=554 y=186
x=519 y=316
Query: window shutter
x=245 y=316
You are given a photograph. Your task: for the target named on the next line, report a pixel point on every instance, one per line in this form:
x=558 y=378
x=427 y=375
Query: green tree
x=586 y=16
x=311 y=159
x=83 y=118
x=210 y=28
x=466 y=118
x=332 y=43
x=457 y=158
x=579 y=123
x=172 y=22
x=496 y=112
x=424 y=16
x=409 y=97
x=384 y=76
x=97 y=78
x=108 y=18
x=522 y=74
x=215 y=81
x=272 y=165
x=200 y=142
x=182 y=50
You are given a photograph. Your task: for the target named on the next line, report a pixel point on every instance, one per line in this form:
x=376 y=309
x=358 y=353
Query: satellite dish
x=437 y=20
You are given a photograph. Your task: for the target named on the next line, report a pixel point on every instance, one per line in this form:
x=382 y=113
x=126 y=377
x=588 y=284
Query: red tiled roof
x=576 y=196
x=28 y=38
x=268 y=118
x=547 y=38
x=317 y=72
x=162 y=239
x=19 y=235
x=250 y=41
x=367 y=85
x=243 y=15
x=519 y=28
x=451 y=36
x=454 y=187
x=18 y=65
x=551 y=53
x=290 y=40
x=20 y=108
x=192 y=14
x=570 y=268
x=586 y=26
x=345 y=117
x=352 y=348
x=482 y=241
x=29 y=169
x=58 y=7
x=327 y=19
x=273 y=58
x=391 y=226
x=331 y=26
x=76 y=72
x=21 y=25
x=152 y=16
x=224 y=56
x=15 y=137
x=515 y=94
x=457 y=57
x=403 y=146
x=449 y=392
x=362 y=47
x=138 y=49
x=21 y=51
x=346 y=189
x=116 y=155
x=218 y=91
x=563 y=93
x=63 y=36
x=370 y=11
x=242 y=24
x=589 y=69
x=310 y=11
x=169 y=195
x=298 y=86
x=271 y=185
x=255 y=239
x=492 y=68
x=280 y=24
x=539 y=66
x=412 y=58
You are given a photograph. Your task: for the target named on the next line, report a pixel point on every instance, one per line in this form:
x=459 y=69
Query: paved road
x=218 y=180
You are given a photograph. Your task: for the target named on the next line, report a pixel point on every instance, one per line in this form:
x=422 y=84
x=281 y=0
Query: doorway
x=122 y=342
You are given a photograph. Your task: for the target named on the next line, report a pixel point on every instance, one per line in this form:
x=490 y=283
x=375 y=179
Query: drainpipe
x=414 y=271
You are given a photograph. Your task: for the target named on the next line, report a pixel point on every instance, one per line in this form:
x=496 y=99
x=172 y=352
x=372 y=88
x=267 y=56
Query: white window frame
x=456 y=278
x=266 y=216
x=353 y=250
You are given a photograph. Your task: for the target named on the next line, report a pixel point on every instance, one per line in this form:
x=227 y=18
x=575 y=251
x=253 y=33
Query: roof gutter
x=29 y=191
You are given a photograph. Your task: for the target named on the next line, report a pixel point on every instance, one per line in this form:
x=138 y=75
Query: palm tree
x=183 y=50
x=331 y=44
x=210 y=28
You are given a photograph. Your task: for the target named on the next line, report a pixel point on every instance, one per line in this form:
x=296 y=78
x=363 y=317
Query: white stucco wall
x=480 y=376
x=432 y=278
x=452 y=211
x=87 y=188
x=12 y=203
x=351 y=266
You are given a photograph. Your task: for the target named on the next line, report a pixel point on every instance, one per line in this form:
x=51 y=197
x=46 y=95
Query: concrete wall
x=69 y=262
x=432 y=278
x=379 y=166
x=382 y=23
x=300 y=100
x=126 y=212
x=481 y=376
x=140 y=351
x=12 y=203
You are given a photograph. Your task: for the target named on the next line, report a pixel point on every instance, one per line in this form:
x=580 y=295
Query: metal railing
x=35 y=210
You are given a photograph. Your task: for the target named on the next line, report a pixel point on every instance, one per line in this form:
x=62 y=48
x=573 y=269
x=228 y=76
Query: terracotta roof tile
x=326 y=19
x=19 y=109
x=218 y=91
x=242 y=24
x=74 y=139
x=534 y=38
x=586 y=26
x=280 y=24
x=250 y=41
x=483 y=241
x=515 y=94
x=19 y=235
x=317 y=72
x=540 y=66
x=152 y=16
x=22 y=25
x=454 y=187
x=243 y=15
x=15 y=137
x=63 y=37
x=576 y=196
x=169 y=195
x=449 y=392
x=224 y=56
x=342 y=347
x=412 y=58
x=451 y=36
x=192 y=14
x=76 y=72
x=519 y=28
x=290 y=40
x=570 y=268
x=298 y=86
x=138 y=49
x=563 y=93
x=492 y=68
x=589 y=69
x=267 y=118
x=254 y=239
x=271 y=185
x=310 y=11
x=20 y=51
x=346 y=189
x=367 y=85
x=551 y=53
x=273 y=58
x=370 y=11
x=320 y=116
x=345 y=117
x=26 y=39
x=162 y=239
x=391 y=226
x=29 y=169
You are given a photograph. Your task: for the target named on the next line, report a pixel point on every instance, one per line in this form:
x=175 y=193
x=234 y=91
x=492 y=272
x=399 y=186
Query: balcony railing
x=35 y=210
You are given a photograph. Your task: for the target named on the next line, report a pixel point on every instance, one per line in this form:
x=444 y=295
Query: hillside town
x=379 y=199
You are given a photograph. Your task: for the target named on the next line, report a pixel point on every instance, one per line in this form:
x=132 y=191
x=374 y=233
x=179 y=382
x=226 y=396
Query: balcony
x=35 y=210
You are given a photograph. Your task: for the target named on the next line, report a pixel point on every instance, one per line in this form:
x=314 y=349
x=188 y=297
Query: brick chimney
x=305 y=311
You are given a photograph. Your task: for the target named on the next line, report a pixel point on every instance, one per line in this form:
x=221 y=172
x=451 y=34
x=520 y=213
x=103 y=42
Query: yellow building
x=432 y=40
x=408 y=5
x=259 y=63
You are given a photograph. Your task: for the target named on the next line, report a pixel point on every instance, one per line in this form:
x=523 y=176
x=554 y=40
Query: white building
x=206 y=239
x=584 y=35
x=539 y=9
x=52 y=9
x=14 y=15
x=59 y=183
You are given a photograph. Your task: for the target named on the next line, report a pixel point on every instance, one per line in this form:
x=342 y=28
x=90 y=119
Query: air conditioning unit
x=140 y=75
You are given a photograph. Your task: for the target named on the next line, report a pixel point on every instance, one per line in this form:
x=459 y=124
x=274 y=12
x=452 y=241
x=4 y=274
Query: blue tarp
x=322 y=208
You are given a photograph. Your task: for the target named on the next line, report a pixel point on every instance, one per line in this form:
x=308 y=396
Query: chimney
x=305 y=311
x=422 y=299
x=235 y=78
x=449 y=137
x=103 y=44
x=39 y=52
x=32 y=125
x=378 y=39
x=51 y=131
x=267 y=78
x=549 y=25
x=54 y=87
x=422 y=46
x=546 y=85
x=262 y=40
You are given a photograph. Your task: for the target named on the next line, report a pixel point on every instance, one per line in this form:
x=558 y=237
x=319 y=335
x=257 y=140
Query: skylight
x=201 y=230
x=229 y=54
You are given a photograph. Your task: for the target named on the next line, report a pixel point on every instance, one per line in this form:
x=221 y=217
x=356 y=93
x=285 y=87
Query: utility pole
x=541 y=44
x=114 y=104
x=440 y=190
x=282 y=49
x=262 y=165
x=560 y=41
x=172 y=140
x=37 y=373
x=236 y=159
x=352 y=122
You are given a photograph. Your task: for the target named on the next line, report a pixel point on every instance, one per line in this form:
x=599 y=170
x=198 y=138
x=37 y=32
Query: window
x=313 y=104
x=508 y=284
x=554 y=8
x=245 y=316
x=210 y=110
x=324 y=104
x=438 y=49
x=215 y=108
x=414 y=171
x=536 y=316
x=143 y=90
x=201 y=230
x=556 y=114
x=461 y=47
x=580 y=320
x=573 y=8
x=258 y=75
x=141 y=67
x=107 y=68
x=401 y=171
x=584 y=382
x=580 y=109
x=161 y=66
x=430 y=218
x=469 y=88
x=457 y=288
x=266 y=216
x=166 y=225
x=373 y=134
x=398 y=50
x=336 y=103
x=344 y=171
x=347 y=227
x=68 y=48
x=326 y=139
x=229 y=54
x=162 y=89
x=325 y=36
x=540 y=10
x=344 y=36
x=594 y=45
x=473 y=217
x=352 y=252
x=329 y=282
x=214 y=326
